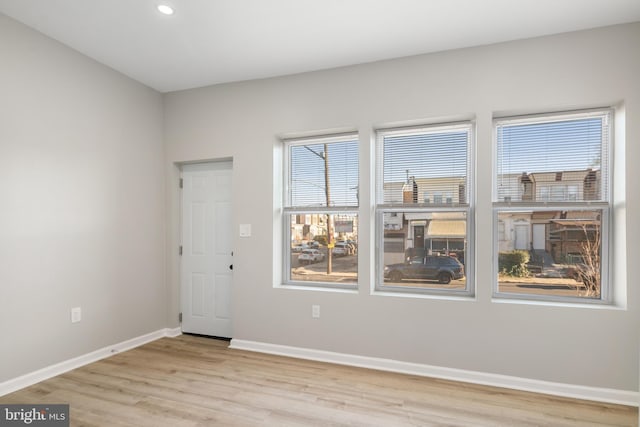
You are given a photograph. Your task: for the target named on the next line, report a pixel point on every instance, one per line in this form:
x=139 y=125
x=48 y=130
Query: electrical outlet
x=315 y=311
x=76 y=314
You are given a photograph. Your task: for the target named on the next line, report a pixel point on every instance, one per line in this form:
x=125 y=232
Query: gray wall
x=84 y=201
x=576 y=345
x=82 y=204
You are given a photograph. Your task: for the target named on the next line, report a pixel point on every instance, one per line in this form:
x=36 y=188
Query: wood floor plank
x=195 y=382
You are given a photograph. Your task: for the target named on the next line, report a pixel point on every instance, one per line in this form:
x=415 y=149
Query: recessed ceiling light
x=167 y=10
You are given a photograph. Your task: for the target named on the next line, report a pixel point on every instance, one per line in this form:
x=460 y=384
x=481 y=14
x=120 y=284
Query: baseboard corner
x=172 y=332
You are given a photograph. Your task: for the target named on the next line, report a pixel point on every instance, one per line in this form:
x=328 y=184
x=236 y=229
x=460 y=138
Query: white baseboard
x=622 y=397
x=172 y=333
x=31 y=378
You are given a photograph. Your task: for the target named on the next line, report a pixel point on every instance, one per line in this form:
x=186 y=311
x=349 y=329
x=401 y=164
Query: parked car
x=353 y=247
x=444 y=269
x=309 y=256
x=299 y=247
x=341 y=249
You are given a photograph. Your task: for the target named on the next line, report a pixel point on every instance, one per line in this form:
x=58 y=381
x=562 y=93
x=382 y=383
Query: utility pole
x=325 y=155
x=327 y=192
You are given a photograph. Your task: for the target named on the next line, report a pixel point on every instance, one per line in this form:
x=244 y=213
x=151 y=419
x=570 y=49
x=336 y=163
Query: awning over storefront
x=441 y=229
x=417 y=216
x=576 y=222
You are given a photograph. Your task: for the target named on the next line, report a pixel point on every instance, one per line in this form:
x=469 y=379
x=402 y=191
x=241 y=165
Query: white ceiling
x=214 y=41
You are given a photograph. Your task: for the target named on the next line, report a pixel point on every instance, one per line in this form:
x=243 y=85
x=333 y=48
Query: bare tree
x=589 y=271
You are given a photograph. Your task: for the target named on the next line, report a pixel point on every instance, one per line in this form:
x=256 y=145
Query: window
x=552 y=200
x=423 y=209
x=321 y=211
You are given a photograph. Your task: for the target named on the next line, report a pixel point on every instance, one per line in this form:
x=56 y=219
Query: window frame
x=288 y=211
x=549 y=204
x=380 y=208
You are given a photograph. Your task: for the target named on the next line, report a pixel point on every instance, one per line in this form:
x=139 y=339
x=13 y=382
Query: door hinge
x=181 y=183
x=180 y=250
x=180 y=317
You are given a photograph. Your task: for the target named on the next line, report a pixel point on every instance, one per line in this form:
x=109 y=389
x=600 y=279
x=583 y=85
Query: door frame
x=177 y=236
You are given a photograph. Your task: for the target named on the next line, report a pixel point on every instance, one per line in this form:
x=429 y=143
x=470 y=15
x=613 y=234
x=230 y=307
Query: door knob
x=231 y=267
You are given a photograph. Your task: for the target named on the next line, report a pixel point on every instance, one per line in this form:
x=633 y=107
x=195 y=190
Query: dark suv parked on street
x=441 y=268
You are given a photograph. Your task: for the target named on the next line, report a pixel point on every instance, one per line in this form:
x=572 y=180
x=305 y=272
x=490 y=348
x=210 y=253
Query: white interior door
x=206 y=267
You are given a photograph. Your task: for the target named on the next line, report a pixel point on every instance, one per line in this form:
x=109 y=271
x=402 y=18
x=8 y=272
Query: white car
x=310 y=255
x=299 y=247
x=341 y=249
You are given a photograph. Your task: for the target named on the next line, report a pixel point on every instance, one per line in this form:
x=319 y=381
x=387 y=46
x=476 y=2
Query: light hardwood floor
x=195 y=381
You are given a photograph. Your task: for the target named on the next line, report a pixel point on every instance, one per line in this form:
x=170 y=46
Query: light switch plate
x=76 y=314
x=245 y=230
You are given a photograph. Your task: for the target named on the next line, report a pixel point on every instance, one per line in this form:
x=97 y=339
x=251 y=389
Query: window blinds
x=424 y=166
x=561 y=158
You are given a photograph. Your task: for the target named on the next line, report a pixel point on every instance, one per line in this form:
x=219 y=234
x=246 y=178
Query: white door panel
x=223 y=296
x=522 y=237
x=197 y=294
x=206 y=275
x=223 y=227
x=539 y=236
